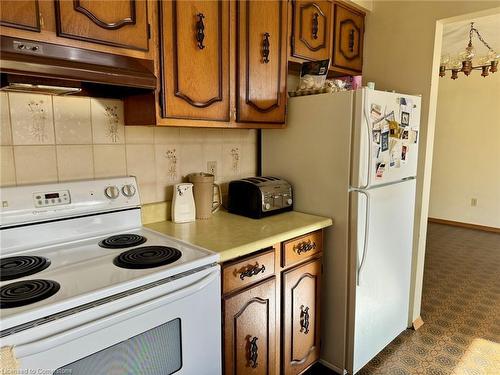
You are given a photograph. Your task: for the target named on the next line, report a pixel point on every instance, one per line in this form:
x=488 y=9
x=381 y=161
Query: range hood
x=61 y=70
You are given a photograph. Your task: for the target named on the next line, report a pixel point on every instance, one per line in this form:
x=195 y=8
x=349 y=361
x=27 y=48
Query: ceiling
x=456 y=35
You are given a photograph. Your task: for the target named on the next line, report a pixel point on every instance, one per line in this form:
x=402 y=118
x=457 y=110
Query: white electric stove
x=82 y=282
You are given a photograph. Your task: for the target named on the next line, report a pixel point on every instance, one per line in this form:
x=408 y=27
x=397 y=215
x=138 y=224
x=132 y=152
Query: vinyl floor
x=460 y=309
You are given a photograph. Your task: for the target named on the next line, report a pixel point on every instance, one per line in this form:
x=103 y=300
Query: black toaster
x=258 y=197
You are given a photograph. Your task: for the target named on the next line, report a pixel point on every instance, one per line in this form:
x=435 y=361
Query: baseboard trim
x=417 y=323
x=331 y=367
x=484 y=228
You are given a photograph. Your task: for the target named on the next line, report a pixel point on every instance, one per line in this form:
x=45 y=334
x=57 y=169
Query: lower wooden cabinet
x=300 y=323
x=250 y=330
x=271 y=313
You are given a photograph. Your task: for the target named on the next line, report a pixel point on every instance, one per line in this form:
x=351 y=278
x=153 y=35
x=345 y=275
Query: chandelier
x=463 y=61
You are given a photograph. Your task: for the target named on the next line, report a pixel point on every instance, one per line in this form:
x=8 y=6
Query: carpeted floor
x=460 y=308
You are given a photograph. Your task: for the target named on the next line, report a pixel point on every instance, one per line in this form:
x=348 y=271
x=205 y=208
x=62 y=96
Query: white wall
x=466 y=161
x=399 y=55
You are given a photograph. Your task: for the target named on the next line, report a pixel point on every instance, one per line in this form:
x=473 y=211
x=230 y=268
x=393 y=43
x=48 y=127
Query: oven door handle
x=42 y=345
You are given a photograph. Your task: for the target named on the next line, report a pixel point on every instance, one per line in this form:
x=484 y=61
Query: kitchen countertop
x=233 y=236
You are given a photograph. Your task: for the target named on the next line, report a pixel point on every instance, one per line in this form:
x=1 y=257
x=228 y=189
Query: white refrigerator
x=352 y=156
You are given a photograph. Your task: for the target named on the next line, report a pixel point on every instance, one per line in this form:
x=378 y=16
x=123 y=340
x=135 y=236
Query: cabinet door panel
x=261 y=60
x=301 y=296
x=119 y=23
x=195 y=59
x=250 y=331
x=312 y=29
x=21 y=14
x=348 y=45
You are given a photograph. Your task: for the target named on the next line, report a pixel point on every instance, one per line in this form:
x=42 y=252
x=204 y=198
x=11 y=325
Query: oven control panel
x=51 y=198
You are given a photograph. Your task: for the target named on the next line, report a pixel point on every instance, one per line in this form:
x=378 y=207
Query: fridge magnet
x=405 y=134
x=405 y=118
x=380 y=170
x=376 y=136
x=390 y=116
x=384 y=141
x=394 y=129
x=404 y=154
x=375 y=111
x=413 y=136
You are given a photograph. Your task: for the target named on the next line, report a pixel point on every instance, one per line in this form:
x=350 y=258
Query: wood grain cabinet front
x=194 y=40
x=117 y=23
x=311 y=34
x=250 y=330
x=20 y=14
x=300 y=322
x=348 y=39
x=261 y=61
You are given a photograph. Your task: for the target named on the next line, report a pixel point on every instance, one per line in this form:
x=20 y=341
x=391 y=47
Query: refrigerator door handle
x=361 y=263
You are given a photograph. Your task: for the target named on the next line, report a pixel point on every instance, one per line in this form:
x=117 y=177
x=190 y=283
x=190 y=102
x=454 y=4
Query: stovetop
x=86 y=271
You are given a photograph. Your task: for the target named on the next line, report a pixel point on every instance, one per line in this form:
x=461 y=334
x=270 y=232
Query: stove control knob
x=267 y=206
x=112 y=192
x=128 y=190
x=289 y=201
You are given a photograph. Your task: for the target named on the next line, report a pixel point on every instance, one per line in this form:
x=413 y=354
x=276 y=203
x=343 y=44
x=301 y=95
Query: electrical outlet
x=212 y=167
x=473 y=202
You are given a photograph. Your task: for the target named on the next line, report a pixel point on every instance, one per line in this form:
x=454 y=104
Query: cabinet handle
x=351 y=40
x=265 y=48
x=315 y=26
x=304 y=319
x=200 y=30
x=252 y=271
x=304 y=247
x=253 y=352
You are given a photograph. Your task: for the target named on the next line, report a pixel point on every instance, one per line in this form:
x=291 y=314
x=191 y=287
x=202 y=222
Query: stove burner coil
x=20 y=266
x=21 y=293
x=147 y=257
x=121 y=241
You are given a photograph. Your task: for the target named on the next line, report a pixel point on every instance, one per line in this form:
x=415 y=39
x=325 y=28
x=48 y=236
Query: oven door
x=171 y=328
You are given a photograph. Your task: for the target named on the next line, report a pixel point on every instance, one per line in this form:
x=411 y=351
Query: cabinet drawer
x=247 y=271
x=301 y=248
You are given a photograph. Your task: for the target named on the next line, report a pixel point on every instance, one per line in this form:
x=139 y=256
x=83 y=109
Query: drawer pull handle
x=265 y=48
x=304 y=319
x=315 y=26
x=200 y=30
x=252 y=271
x=304 y=247
x=253 y=352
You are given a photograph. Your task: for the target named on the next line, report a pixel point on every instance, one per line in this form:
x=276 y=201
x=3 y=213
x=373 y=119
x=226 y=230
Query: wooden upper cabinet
x=311 y=29
x=20 y=14
x=348 y=44
x=194 y=41
x=301 y=298
x=118 y=23
x=261 y=61
x=250 y=331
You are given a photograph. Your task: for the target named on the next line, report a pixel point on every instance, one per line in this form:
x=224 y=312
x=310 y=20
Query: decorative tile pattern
x=460 y=309
x=107 y=121
x=89 y=139
x=31 y=119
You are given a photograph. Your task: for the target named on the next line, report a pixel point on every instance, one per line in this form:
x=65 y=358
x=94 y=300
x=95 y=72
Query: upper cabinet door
x=301 y=296
x=312 y=29
x=21 y=14
x=348 y=45
x=118 y=23
x=261 y=61
x=194 y=41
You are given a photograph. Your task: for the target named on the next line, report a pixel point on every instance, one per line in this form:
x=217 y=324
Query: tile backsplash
x=50 y=138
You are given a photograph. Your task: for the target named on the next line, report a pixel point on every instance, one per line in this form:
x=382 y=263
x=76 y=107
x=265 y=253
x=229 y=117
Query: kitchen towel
x=8 y=361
